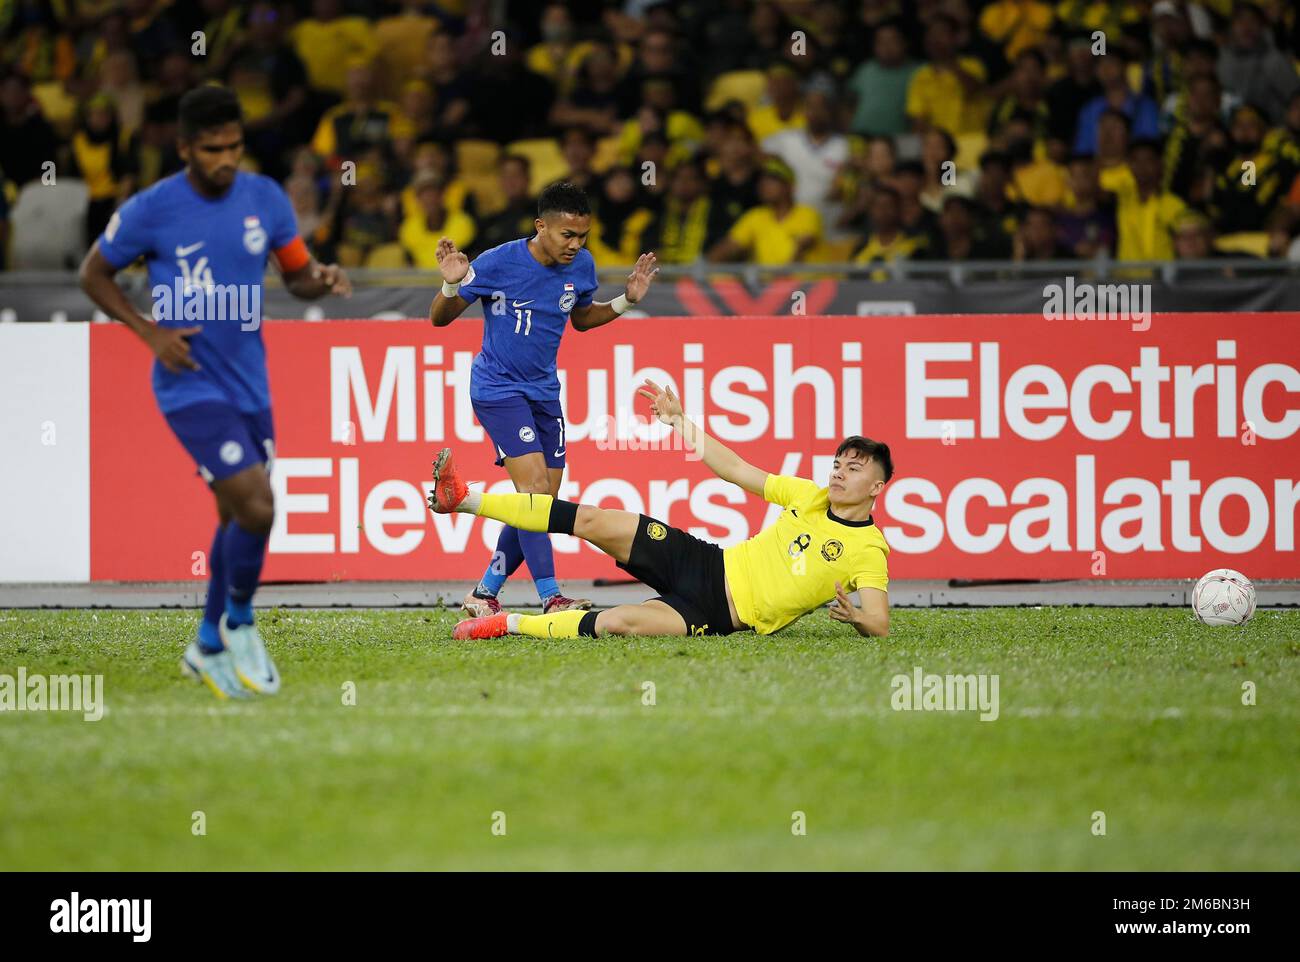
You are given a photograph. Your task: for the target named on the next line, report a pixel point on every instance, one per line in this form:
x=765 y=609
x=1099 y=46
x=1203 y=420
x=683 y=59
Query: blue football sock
x=244 y=554
x=541 y=563
x=505 y=561
x=209 y=635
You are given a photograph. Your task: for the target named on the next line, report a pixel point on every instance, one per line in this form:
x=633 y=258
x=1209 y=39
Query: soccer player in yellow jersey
x=822 y=546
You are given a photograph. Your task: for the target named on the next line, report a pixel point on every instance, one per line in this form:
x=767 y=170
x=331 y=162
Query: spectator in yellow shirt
x=400 y=42
x=618 y=222
x=106 y=158
x=1112 y=153
x=778 y=231
x=421 y=231
x=887 y=240
x=1016 y=24
x=326 y=41
x=1146 y=212
x=948 y=91
x=360 y=122
x=784 y=107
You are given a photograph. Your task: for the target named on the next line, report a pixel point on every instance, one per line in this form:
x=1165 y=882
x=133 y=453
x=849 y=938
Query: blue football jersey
x=206 y=259
x=525 y=308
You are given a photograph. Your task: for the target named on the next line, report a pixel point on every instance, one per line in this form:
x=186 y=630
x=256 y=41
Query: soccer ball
x=1223 y=597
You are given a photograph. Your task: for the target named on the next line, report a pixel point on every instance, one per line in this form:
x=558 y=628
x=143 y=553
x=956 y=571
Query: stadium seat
x=477 y=157
x=1245 y=243
x=51 y=220
x=476 y=161
x=387 y=257
x=545 y=159
x=833 y=251
x=350 y=255
x=747 y=86
x=607 y=154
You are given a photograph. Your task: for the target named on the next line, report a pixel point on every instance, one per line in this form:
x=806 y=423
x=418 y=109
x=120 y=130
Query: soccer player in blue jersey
x=205 y=235
x=531 y=289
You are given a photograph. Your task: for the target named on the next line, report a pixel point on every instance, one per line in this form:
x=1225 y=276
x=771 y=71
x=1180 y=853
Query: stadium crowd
x=718 y=130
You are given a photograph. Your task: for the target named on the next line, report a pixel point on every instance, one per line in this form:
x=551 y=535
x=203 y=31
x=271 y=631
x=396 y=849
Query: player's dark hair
x=206 y=107
x=563 y=198
x=868 y=450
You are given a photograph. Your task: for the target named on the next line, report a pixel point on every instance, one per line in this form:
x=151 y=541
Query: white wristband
x=449 y=290
x=621 y=304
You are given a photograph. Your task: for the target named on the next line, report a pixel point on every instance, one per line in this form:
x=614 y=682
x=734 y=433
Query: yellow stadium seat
x=833 y=251
x=486 y=188
x=544 y=156
x=607 y=154
x=387 y=257
x=747 y=86
x=1248 y=243
x=350 y=255
x=475 y=157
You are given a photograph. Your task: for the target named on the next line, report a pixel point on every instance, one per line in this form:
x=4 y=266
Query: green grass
x=1136 y=713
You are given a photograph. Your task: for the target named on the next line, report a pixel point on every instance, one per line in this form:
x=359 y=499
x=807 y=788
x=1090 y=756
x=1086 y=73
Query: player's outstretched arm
x=169 y=344
x=454 y=265
x=638 y=282
x=871 y=620
x=721 y=460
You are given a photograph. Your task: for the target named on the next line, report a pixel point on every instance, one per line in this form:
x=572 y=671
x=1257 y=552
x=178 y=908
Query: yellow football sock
x=527 y=512
x=562 y=624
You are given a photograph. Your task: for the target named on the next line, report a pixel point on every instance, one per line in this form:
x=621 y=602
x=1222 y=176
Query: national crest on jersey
x=254 y=236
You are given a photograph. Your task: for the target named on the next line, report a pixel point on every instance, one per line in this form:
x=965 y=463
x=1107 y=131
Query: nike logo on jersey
x=521 y=303
x=187 y=251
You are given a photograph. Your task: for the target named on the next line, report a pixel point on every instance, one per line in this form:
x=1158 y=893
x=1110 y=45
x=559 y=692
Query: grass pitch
x=1136 y=713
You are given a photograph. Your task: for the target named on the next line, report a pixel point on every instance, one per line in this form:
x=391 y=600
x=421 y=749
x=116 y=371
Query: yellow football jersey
x=790 y=568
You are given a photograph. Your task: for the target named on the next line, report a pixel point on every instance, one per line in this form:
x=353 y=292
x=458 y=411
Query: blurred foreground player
x=531 y=288
x=205 y=234
x=822 y=546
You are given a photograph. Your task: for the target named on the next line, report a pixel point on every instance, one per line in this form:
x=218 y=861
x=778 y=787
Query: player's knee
x=586 y=522
x=612 y=621
x=256 y=514
x=534 y=484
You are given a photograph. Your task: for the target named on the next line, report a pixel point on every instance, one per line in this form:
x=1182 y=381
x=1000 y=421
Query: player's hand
x=453 y=264
x=172 y=347
x=332 y=276
x=638 y=282
x=843 y=608
x=663 y=402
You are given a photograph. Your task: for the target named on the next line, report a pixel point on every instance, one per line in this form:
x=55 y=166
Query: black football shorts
x=688 y=574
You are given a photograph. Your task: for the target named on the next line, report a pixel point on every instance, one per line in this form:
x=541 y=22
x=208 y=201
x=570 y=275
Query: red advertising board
x=1024 y=447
